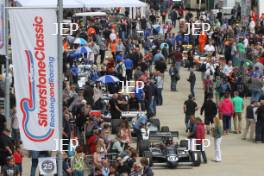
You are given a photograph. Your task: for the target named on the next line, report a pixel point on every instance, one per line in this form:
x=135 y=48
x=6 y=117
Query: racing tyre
x=196 y=158
x=143 y=146
x=115 y=123
x=165 y=129
x=155 y=122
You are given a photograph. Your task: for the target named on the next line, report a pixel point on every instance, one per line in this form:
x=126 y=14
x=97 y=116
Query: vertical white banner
x=2 y=27
x=34 y=55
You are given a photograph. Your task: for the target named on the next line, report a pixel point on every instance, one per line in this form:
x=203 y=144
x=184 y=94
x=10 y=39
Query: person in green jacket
x=217 y=132
x=241 y=49
x=238 y=103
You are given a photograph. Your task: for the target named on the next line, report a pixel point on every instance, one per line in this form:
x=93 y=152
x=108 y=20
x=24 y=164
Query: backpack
x=111 y=150
x=240 y=87
x=202 y=67
x=223 y=88
x=119 y=69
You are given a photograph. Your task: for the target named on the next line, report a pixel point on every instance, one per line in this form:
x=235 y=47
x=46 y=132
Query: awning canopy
x=81 y=3
x=49 y=3
x=113 y=3
x=90 y=14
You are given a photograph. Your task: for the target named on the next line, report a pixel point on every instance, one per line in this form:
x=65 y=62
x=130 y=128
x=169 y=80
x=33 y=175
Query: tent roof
x=49 y=3
x=114 y=3
x=82 y=3
x=84 y=14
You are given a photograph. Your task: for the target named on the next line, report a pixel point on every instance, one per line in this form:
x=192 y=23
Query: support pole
x=60 y=83
x=7 y=85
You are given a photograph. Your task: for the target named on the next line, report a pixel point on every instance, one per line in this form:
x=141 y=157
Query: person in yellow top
x=202 y=41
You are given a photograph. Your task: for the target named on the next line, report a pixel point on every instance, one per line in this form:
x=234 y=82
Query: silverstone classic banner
x=34 y=55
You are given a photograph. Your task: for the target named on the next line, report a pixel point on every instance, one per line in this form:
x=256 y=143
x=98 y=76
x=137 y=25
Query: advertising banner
x=34 y=56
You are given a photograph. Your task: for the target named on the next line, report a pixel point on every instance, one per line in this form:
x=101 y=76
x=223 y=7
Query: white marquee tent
x=82 y=3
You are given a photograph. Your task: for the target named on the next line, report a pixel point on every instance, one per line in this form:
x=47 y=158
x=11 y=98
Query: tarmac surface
x=240 y=158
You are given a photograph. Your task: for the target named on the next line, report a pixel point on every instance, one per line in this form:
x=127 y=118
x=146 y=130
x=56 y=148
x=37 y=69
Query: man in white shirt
x=246 y=42
x=252 y=26
x=159 y=83
x=228 y=68
x=209 y=48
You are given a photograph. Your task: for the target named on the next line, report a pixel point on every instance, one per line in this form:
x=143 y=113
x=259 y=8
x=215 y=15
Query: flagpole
x=7 y=85
x=60 y=83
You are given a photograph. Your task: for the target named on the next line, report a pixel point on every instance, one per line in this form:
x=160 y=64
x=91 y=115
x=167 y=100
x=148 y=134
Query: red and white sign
x=34 y=55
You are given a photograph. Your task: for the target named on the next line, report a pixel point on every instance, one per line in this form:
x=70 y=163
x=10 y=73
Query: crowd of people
x=229 y=57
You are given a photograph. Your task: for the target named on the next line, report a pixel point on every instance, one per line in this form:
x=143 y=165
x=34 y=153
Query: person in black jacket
x=250 y=121
x=210 y=111
x=2 y=123
x=260 y=122
x=192 y=80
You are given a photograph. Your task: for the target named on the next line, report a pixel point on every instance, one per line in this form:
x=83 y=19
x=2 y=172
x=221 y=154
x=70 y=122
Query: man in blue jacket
x=129 y=68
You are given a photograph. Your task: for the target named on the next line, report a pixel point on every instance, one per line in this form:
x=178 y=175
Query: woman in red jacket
x=226 y=110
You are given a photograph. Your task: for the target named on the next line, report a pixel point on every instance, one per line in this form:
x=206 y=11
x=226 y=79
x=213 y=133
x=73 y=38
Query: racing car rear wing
x=156 y=134
x=131 y=113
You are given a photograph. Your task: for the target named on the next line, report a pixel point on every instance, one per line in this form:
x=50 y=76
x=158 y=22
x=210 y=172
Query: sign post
x=7 y=85
x=60 y=83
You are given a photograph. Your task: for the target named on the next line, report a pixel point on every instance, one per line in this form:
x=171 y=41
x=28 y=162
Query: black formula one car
x=160 y=149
